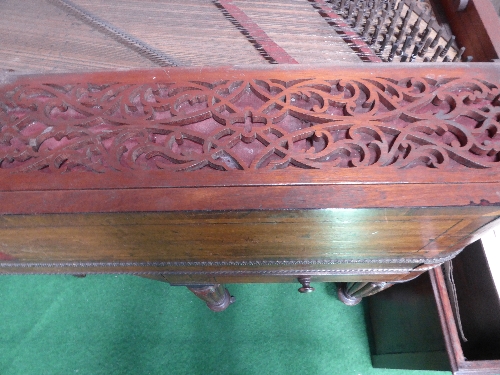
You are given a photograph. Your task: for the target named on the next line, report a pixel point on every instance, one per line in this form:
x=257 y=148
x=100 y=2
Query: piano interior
x=84 y=35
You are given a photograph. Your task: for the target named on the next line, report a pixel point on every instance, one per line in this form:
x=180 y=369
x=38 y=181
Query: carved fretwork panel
x=237 y=120
x=206 y=176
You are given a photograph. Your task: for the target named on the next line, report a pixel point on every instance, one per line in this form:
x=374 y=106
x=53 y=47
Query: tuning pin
x=447 y=46
x=385 y=13
x=424 y=49
x=426 y=59
x=436 y=38
x=395 y=18
x=436 y=54
x=389 y=33
x=402 y=30
x=359 y=18
x=380 y=6
x=342 y=6
x=407 y=18
x=404 y=56
x=468 y=59
x=350 y=12
x=376 y=32
x=400 y=37
x=425 y=34
x=446 y=59
x=414 y=53
x=406 y=44
x=369 y=23
x=428 y=28
x=415 y=28
x=366 y=28
x=384 y=43
x=393 y=52
x=458 y=56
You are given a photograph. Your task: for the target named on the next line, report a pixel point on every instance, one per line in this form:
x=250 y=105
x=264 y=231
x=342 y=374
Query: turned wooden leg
x=352 y=293
x=216 y=296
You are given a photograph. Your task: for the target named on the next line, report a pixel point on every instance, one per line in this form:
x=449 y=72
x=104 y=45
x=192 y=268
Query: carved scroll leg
x=352 y=293
x=216 y=296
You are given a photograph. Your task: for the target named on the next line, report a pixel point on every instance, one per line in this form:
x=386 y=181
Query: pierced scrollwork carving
x=252 y=124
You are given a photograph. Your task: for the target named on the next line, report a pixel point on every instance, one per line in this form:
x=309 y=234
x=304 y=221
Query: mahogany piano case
x=201 y=176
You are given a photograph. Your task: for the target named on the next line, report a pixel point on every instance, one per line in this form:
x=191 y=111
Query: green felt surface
x=106 y=324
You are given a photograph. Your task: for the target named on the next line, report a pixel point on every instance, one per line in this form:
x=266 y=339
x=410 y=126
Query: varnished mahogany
x=203 y=176
x=210 y=176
